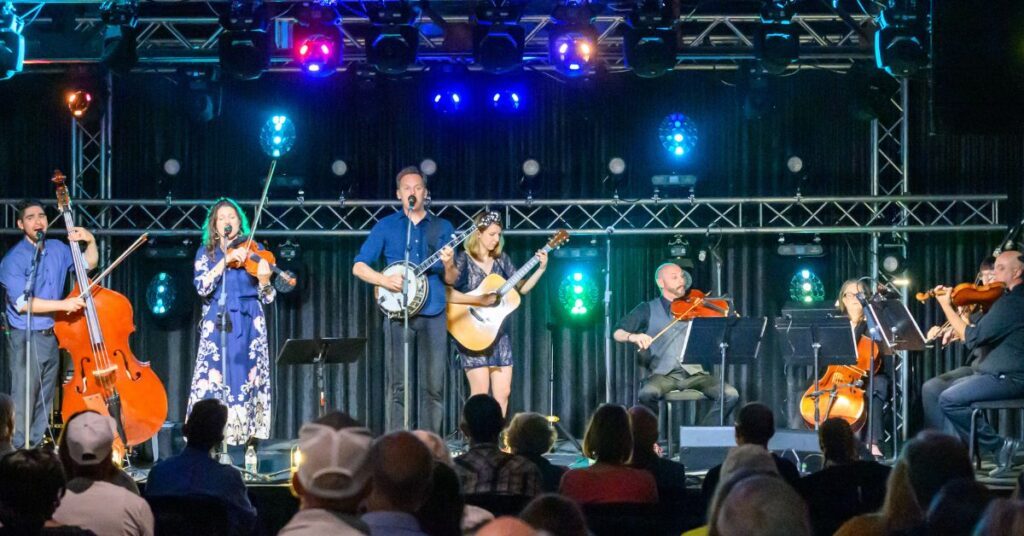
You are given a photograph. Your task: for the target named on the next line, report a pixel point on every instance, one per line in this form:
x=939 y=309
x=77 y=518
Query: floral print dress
x=248 y=362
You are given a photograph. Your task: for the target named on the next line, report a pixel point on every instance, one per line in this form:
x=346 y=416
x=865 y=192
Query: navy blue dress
x=470 y=276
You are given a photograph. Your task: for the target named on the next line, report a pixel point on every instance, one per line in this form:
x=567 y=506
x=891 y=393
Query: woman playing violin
x=246 y=387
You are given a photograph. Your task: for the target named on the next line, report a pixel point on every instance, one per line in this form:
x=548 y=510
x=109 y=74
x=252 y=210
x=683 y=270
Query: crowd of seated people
x=350 y=481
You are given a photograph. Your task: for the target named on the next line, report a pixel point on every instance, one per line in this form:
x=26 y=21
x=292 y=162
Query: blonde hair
x=861 y=287
x=471 y=243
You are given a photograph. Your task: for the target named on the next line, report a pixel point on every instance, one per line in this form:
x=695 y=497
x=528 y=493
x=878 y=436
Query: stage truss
x=696 y=216
x=707 y=41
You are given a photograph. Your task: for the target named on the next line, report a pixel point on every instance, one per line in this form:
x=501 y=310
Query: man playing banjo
x=428 y=329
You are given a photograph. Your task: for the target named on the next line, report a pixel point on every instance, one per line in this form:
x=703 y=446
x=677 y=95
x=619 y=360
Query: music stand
x=891 y=325
x=816 y=340
x=710 y=340
x=319 y=352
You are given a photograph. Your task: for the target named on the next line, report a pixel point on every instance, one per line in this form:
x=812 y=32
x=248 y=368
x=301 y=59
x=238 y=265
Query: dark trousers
x=930 y=391
x=43 y=372
x=882 y=394
x=656 y=385
x=956 y=401
x=428 y=350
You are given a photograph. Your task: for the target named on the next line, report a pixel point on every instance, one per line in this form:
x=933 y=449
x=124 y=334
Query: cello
x=840 y=391
x=107 y=376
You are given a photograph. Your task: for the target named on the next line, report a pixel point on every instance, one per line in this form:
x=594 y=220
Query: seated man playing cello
x=667 y=372
x=1000 y=373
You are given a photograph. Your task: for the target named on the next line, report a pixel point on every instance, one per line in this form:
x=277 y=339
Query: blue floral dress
x=248 y=361
x=470 y=276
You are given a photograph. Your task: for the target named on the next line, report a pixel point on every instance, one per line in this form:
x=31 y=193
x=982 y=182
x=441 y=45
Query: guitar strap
x=433 y=235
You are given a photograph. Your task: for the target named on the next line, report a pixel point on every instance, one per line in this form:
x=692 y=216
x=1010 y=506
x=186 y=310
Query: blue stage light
x=678 y=135
x=573 y=52
x=277 y=136
x=162 y=295
x=447 y=101
x=507 y=100
x=319 y=55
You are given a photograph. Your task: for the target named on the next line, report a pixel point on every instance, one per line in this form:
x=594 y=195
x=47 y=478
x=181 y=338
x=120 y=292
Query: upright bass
x=107 y=377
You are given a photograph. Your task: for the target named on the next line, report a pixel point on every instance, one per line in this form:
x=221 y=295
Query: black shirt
x=836 y=494
x=1002 y=330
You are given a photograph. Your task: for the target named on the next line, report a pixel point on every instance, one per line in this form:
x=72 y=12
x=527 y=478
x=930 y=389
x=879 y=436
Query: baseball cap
x=334 y=462
x=90 y=438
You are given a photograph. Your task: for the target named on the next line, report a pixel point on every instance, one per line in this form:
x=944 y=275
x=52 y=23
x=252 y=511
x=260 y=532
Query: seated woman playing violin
x=653 y=326
x=1000 y=373
x=932 y=388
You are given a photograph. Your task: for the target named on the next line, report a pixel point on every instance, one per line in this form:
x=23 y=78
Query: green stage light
x=162 y=295
x=578 y=296
x=806 y=288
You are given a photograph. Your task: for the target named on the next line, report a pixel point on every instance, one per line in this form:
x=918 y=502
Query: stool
x=672 y=398
x=978 y=407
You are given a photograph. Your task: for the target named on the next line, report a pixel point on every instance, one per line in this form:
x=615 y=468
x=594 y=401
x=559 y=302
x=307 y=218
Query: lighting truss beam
x=706 y=41
x=767 y=215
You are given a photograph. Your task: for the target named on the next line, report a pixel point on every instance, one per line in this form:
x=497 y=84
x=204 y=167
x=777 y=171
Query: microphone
x=412 y=201
x=39 y=239
x=227 y=230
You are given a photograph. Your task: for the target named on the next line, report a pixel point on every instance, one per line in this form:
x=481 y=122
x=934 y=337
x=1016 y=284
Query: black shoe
x=1004 y=459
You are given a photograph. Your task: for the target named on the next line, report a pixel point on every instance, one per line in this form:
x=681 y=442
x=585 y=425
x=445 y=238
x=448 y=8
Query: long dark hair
x=210 y=235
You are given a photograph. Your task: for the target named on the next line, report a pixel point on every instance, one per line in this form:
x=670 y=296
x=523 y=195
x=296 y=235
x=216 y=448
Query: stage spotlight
x=78 y=103
x=244 y=46
x=795 y=164
x=777 y=45
x=498 y=40
x=447 y=101
x=162 y=295
x=172 y=167
x=392 y=41
x=805 y=287
x=202 y=97
x=616 y=177
x=319 y=55
x=893 y=264
x=572 y=39
x=12 y=43
x=506 y=101
x=578 y=291
x=900 y=42
x=428 y=167
x=678 y=135
x=339 y=168
x=277 y=136
x=650 y=40
x=530 y=181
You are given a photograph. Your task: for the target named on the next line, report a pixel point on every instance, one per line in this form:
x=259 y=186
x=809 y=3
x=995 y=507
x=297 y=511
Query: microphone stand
x=406 y=335
x=224 y=326
x=28 y=297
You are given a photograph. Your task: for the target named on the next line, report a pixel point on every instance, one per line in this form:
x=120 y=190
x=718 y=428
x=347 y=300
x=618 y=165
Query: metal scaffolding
x=707 y=41
x=728 y=216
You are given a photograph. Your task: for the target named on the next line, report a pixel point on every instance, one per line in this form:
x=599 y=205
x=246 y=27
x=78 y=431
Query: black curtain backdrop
x=572 y=130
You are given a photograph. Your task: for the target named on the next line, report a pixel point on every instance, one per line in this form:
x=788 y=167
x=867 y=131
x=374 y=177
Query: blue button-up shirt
x=54 y=264
x=388 y=238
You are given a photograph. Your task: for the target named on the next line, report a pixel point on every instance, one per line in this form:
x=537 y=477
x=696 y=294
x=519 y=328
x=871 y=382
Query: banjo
x=415 y=279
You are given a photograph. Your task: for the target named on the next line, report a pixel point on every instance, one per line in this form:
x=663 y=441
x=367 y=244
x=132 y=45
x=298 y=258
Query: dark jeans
x=956 y=402
x=428 y=350
x=930 y=391
x=656 y=385
x=876 y=405
x=44 y=365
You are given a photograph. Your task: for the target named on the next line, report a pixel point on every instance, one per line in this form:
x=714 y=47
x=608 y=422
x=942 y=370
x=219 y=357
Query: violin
x=696 y=305
x=286 y=279
x=966 y=294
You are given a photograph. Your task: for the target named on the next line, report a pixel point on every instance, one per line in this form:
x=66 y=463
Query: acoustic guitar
x=476 y=327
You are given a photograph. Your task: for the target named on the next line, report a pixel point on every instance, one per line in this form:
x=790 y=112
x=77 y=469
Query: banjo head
x=391 y=303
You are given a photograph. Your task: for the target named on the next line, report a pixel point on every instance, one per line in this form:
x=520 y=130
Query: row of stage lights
x=650 y=37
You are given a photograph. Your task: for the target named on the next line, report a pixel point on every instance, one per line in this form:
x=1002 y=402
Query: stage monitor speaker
x=703 y=447
x=978 y=65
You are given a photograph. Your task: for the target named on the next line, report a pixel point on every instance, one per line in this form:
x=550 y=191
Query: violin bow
x=263 y=202
x=131 y=249
x=696 y=303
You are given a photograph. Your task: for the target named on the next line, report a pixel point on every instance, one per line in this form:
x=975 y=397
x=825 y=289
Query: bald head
x=672 y=280
x=1009 y=268
x=402 y=466
x=506 y=526
x=762 y=504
